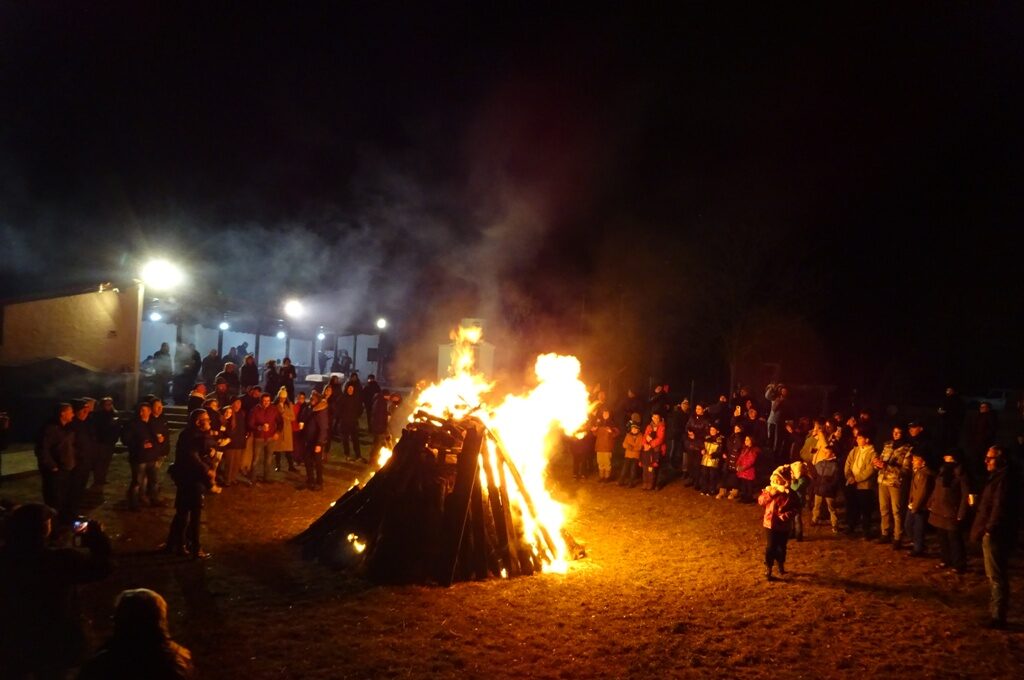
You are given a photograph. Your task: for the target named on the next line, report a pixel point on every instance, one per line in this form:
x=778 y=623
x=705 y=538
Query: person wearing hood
x=780 y=506
x=318 y=439
x=947 y=510
x=193 y=477
x=350 y=409
x=995 y=527
x=230 y=377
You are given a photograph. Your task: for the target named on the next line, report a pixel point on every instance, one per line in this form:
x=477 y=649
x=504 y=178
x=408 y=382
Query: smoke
x=19 y=257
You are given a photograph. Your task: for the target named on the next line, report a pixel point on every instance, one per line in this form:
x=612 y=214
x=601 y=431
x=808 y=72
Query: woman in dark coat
x=947 y=510
x=193 y=477
x=272 y=379
x=317 y=438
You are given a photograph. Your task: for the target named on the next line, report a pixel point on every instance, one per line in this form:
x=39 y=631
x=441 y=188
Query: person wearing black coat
x=108 y=431
x=995 y=527
x=249 y=374
x=84 y=427
x=317 y=435
x=370 y=391
x=55 y=452
x=143 y=453
x=192 y=477
x=288 y=374
x=947 y=510
x=350 y=408
x=271 y=378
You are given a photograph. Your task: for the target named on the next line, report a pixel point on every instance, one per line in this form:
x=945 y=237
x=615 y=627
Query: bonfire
x=464 y=494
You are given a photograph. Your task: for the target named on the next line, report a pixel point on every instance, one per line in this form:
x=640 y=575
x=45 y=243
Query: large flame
x=527 y=427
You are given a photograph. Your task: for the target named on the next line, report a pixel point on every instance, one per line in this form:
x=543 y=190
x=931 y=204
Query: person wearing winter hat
x=780 y=506
x=947 y=510
x=285 y=443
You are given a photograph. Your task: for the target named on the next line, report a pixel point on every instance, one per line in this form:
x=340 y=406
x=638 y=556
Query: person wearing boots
x=780 y=506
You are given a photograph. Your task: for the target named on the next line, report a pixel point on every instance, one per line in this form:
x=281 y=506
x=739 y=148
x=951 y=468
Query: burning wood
x=437 y=511
x=463 y=493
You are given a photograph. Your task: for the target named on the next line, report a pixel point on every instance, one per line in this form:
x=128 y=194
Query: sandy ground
x=673 y=586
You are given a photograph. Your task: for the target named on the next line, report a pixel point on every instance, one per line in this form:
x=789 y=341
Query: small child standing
x=633 y=444
x=780 y=506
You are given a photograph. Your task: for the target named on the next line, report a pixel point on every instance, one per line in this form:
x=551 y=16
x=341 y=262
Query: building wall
x=100 y=330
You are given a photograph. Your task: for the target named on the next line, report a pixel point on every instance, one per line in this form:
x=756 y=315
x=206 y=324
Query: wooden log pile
x=436 y=512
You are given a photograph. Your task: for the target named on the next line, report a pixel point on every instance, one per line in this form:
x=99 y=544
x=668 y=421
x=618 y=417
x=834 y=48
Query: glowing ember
x=527 y=427
x=358 y=545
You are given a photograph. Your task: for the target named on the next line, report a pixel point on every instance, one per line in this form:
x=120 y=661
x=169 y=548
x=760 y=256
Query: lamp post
x=382 y=324
x=159 y=275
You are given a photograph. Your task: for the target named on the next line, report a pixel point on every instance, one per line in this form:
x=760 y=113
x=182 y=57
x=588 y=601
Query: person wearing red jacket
x=653 y=451
x=780 y=506
x=264 y=423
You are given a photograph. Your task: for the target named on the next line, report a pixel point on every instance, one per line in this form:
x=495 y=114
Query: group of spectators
x=239 y=432
x=958 y=484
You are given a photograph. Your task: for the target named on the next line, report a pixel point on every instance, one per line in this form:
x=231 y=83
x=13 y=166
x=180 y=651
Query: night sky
x=834 y=193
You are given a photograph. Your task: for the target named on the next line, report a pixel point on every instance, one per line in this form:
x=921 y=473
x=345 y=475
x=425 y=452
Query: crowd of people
x=892 y=482
x=243 y=429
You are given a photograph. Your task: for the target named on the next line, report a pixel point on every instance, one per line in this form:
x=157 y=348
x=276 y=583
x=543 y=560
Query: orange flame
x=527 y=427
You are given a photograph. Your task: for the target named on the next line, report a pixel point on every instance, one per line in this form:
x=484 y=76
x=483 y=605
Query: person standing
x=951 y=418
x=995 y=527
x=632 y=444
x=827 y=480
x=653 y=451
x=271 y=378
x=249 y=374
x=917 y=502
x=370 y=391
x=265 y=424
x=947 y=510
x=162 y=369
x=318 y=439
x=379 y=419
x=84 y=428
x=894 y=467
x=860 y=476
x=143 y=453
x=108 y=431
x=233 y=421
x=746 y=467
x=711 y=461
x=285 y=442
x=55 y=453
x=231 y=378
x=193 y=477
x=350 y=408
x=980 y=436
x=776 y=394
x=210 y=367
x=287 y=374
x=605 y=432
x=780 y=506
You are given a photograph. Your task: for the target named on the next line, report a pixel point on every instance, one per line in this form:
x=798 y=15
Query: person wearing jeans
x=264 y=423
x=917 y=503
x=995 y=526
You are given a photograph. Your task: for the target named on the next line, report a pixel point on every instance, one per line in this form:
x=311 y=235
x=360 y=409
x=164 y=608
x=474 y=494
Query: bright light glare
x=280 y=335
x=155 y=316
x=321 y=336
x=382 y=323
x=224 y=325
x=162 y=275
x=294 y=308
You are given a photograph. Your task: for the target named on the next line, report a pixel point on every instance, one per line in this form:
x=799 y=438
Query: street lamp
x=155 y=316
x=382 y=323
x=281 y=335
x=294 y=308
x=160 y=274
x=224 y=325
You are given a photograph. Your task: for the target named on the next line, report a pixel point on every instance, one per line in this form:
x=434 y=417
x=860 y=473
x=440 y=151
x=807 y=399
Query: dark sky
x=836 y=192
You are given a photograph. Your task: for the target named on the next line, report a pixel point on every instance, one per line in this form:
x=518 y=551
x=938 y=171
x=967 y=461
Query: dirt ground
x=672 y=587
